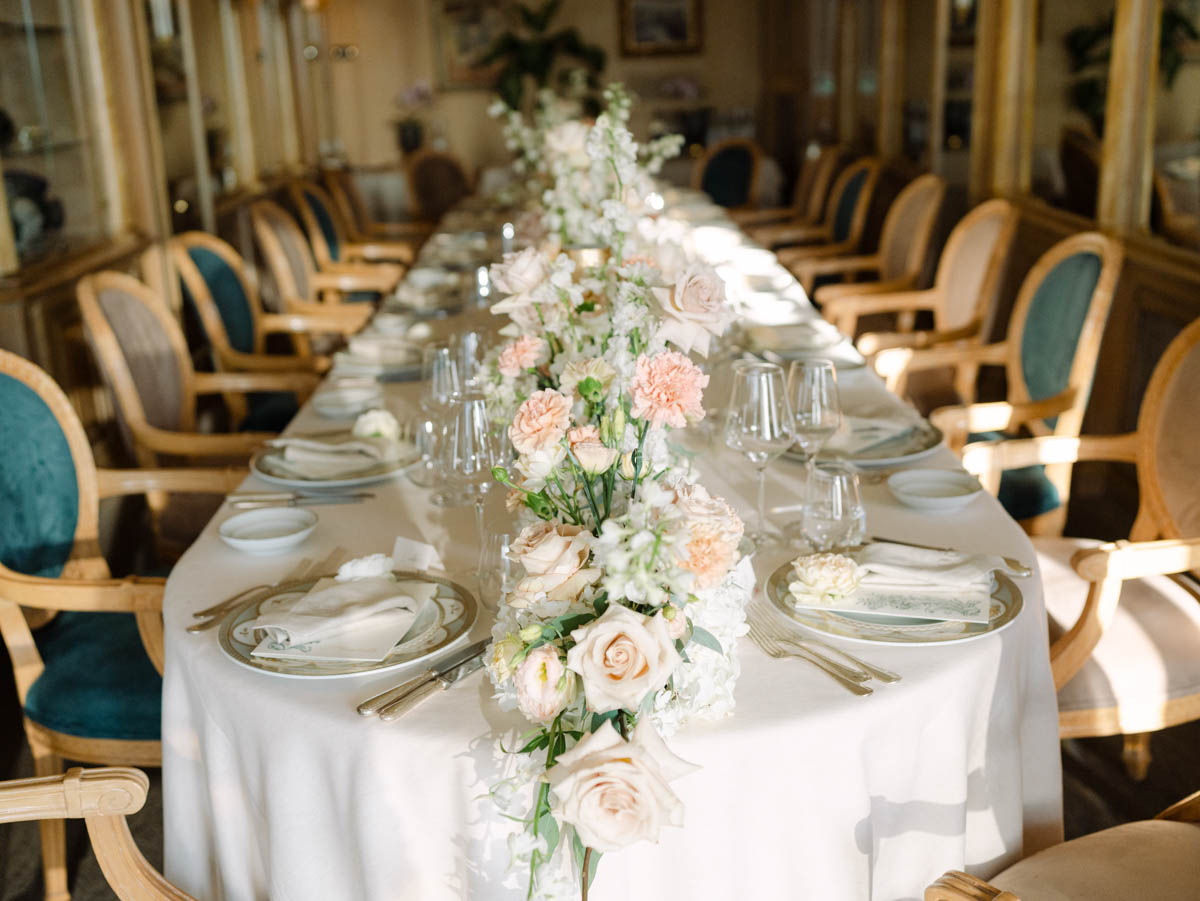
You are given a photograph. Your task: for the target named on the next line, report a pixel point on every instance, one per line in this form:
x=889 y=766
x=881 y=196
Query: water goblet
x=816 y=407
x=758 y=424
x=834 y=516
x=468 y=349
x=497 y=570
x=470 y=453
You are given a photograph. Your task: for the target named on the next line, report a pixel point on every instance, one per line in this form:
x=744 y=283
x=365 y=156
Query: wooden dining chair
x=1049 y=356
x=1079 y=157
x=1125 y=646
x=436 y=182
x=329 y=237
x=102 y=798
x=808 y=197
x=88 y=679
x=965 y=290
x=216 y=285
x=343 y=189
x=900 y=259
x=728 y=172
x=297 y=277
x=1158 y=859
x=845 y=217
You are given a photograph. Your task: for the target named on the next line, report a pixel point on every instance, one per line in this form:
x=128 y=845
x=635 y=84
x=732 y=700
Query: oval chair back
x=142 y=354
x=815 y=182
x=341 y=188
x=850 y=201
x=908 y=228
x=972 y=264
x=285 y=250
x=321 y=220
x=436 y=181
x=213 y=279
x=1168 y=445
x=728 y=172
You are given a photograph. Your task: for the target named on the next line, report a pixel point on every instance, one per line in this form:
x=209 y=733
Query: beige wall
x=395 y=42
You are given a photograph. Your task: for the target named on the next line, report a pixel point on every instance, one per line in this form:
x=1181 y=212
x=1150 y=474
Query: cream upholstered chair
x=900 y=259
x=329 y=236
x=1049 y=356
x=214 y=281
x=1155 y=859
x=88 y=679
x=1126 y=637
x=436 y=182
x=143 y=358
x=841 y=231
x=290 y=260
x=357 y=218
x=102 y=798
x=809 y=196
x=728 y=172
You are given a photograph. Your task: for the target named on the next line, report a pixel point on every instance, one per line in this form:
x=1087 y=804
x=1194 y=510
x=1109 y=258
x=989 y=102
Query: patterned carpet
x=1098 y=794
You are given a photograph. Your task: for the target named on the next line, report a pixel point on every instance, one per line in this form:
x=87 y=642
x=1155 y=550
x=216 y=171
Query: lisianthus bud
x=618 y=423
x=530 y=633
x=540 y=505
x=627 y=471
x=500 y=474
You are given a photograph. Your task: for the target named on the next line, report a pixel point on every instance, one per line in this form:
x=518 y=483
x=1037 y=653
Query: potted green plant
x=410 y=126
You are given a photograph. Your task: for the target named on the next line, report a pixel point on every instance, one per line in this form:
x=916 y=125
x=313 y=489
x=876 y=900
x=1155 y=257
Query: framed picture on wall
x=652 y=27
x=462 y=31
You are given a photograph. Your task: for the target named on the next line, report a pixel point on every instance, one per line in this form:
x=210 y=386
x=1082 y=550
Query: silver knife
x=288 y=495
x=308 y=501
x=403 y=698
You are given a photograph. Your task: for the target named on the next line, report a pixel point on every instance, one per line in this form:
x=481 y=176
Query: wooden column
x=847 y=79
x=937 y=91
x=891 y=78
x=204 y=180
x=1012 y=145
x=1127 y=159
x=8 y=248
x=983 y=102
x=244 y=162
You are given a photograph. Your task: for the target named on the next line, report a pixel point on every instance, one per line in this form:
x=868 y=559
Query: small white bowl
x=934 y=490
x=347 y=402
x=269 y=530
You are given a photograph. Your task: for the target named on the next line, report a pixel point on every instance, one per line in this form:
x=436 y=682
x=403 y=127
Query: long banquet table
x=276 y=788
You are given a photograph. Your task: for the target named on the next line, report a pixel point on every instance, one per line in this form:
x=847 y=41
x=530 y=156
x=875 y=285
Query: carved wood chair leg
x=53 y=832
x=1136 y=755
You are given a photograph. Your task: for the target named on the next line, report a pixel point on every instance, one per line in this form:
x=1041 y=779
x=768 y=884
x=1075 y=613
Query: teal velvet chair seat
x=325 y=223
x=843 y=217
x=98 y=681
x=364 y=297
x=269 y=411
x=227 y=293
x=1025 y=492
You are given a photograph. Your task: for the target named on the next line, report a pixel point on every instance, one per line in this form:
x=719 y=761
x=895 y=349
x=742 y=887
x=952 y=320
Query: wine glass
x=469 y=452
x=834 y=516
x=467 y=349
x=816 y=407
x=497 y=570
x=440 y=385
x=759 y=425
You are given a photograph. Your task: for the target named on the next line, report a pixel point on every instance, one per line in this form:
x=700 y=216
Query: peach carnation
x=540 y=422
x=525 y=353
x=709 y=554
x=667 y=390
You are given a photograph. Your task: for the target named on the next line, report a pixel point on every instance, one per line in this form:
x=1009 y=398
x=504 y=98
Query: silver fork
x=774 y=649
x=785 y=636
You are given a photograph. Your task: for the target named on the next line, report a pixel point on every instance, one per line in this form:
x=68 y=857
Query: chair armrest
x=240 y=362
x=1186 y=810
x=894 y=365
x=417 y=230
x=236 y=445
x=957 y=422
x=805 y=253
x=302 y=383
x=958 y=886
x=128 y=595
x=838 y=265
x=360 y=280
x=118 y=482
x=103 y=791
x=844 y=308
x=343 y=320
x=746 y=218
x=831 y=293
x=380 y=251
x=871 y=343
x=988 y=459
x=1105 y=568
x=790 y=233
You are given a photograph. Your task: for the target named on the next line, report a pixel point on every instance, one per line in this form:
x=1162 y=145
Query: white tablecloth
x=276 y=788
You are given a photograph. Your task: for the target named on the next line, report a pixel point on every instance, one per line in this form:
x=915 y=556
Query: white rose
x=622 y=656
x=538 y=466
x=615 y=792
x=520 y=272
x=544 y=685
x=695 y=310
x=823 y=578
x=376 y=424
x=555 y=557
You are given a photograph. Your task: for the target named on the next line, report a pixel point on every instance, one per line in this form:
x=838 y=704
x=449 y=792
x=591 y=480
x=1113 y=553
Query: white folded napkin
x=311 y=459
x=857 y=434
x=888 y=565
x=387 y=350
x=332 y=608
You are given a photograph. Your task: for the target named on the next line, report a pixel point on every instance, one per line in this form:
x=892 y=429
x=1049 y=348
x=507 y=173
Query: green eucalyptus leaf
x=706 y=639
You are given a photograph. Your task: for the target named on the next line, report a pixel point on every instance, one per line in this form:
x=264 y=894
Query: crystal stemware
x=440 y=385
x=469 y=452
x=759 y=425
x=468 y=349
x=816 y=407
x=834 y=516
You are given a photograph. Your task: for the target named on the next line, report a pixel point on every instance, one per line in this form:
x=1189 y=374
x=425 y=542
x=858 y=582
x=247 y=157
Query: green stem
x=587 y=860
x=637 y=459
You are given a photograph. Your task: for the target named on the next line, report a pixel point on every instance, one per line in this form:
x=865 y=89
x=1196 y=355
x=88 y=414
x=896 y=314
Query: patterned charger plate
x=873 y=628
x=439 y=625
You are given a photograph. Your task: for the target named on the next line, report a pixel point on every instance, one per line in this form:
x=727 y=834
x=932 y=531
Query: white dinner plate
x=270 y=530
x=869 y=628
x=934 y=490
x=923 y=442
x=266 y=466
x=440 y=625
x=347 y=402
